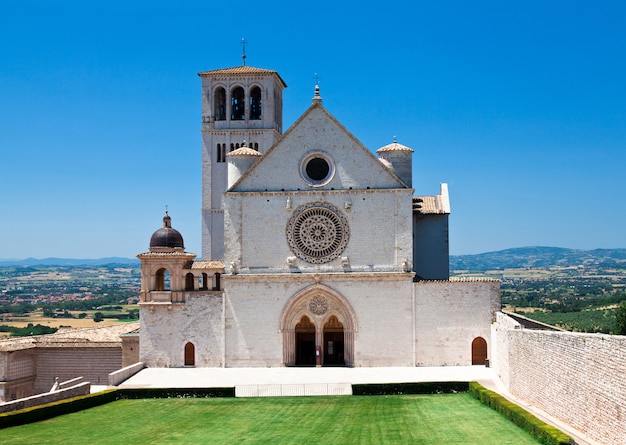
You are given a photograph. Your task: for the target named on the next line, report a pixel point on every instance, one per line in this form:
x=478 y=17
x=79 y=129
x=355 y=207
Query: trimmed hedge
x=58 y=408
x=387 y=389
x=74 y=404
x=546 y=434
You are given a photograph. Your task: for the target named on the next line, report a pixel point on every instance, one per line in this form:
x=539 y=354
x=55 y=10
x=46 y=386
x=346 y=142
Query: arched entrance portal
x=318 y=319
x=479 y=351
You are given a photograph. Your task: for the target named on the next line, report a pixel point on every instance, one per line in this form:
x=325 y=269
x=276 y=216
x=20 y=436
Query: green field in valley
x=406 y=419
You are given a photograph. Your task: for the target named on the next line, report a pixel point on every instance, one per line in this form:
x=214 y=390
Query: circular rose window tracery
x=317 y=232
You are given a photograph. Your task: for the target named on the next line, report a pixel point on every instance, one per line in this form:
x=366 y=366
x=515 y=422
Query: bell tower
x=241 y=106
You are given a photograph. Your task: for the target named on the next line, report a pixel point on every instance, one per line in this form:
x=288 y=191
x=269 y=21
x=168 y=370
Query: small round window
x=317 y=169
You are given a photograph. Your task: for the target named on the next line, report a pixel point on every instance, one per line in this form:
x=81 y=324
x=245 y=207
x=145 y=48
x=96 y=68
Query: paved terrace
x=253 y=382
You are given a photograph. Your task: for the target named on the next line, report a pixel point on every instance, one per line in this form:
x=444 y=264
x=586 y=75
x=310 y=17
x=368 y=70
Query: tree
x=98 y=317
x=620 y=319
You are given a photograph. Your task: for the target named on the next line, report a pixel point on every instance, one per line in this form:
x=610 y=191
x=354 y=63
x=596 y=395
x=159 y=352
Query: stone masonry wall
x=92 y=363
x=166 y=328
x=449 y=315
x=578 y=378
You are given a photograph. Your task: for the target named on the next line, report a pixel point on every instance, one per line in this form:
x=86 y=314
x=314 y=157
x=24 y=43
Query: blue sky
x=519 y=106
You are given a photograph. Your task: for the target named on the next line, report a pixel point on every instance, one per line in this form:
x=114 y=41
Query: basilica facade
x=315 y=250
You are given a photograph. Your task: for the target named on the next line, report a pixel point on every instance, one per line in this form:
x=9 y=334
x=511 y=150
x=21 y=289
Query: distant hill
x=519 y=257
x=68 y=262
x=539 y=257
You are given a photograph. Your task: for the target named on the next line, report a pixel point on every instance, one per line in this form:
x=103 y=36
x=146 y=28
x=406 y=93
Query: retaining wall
x=78 y=390
x=578 y=378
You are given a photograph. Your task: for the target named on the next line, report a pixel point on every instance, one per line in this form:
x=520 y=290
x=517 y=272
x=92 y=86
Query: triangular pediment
x=296 y=160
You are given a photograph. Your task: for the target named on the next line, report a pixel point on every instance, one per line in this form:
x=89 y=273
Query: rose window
x=317 y=232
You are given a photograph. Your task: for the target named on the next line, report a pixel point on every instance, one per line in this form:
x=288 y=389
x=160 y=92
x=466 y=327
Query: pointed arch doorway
x=333 y=342
x=318 y=319
x=305 y=342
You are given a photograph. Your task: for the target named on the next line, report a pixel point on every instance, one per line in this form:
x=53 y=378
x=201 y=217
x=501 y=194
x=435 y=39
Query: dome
x=166 y=237
x=244 y=151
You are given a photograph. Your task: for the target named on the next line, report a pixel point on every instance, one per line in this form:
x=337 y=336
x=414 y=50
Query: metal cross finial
x=166 y=209
x=243 y=51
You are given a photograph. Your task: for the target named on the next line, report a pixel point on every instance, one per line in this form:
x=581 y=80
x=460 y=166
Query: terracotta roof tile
x=428 y=205
x=244 y=151
x=208 y=264
x=243 y=70
x=394 y=147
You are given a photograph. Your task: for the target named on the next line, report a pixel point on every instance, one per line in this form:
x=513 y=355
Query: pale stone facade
x=316 y=251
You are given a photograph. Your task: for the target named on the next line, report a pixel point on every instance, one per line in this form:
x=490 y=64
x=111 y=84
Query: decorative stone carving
x=317 y=232
x=318 y=305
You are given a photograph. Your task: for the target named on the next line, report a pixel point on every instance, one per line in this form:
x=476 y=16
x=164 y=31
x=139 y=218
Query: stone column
x=319 y=341
x=348 y=347
x=289 y=347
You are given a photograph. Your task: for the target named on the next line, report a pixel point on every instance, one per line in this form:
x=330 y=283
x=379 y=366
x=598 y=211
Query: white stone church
x=316 y=252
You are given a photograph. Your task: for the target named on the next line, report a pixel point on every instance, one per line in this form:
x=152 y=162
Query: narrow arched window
x=237 y=104
x=232 y=147
x=189 y=281
x=217 y=281
x=219 y=104
x=162 y=280
x=223 y=151
x=205 y=282
x=255 y=103
x=218 y=153
x=256 y=146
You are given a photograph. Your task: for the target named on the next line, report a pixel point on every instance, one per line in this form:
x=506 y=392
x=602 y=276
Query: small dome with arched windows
x=166 y=237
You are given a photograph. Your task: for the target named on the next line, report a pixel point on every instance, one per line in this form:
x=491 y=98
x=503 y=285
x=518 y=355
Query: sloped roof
x=242 y=70
x=394 y=146
x=107 y=336
x=315 y=106
x=208 y=264
x=429 y=205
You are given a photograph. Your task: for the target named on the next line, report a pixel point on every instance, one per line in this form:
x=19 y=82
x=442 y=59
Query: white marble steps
x=294 y=389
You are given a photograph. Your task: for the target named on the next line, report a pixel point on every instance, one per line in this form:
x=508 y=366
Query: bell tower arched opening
x=255 y=103
x=162 y=280
x=219 y=104
x=237 y=104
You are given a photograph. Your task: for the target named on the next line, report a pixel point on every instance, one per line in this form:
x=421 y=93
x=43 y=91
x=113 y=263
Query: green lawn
x=421 y=419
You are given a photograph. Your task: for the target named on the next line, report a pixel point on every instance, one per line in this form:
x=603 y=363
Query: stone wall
x=117 y=377
x=78 y=390
x=381 y=305
x=167 y=327
x=92 y=363
x=578 y=378
x=449 y=315
x=379 y=221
